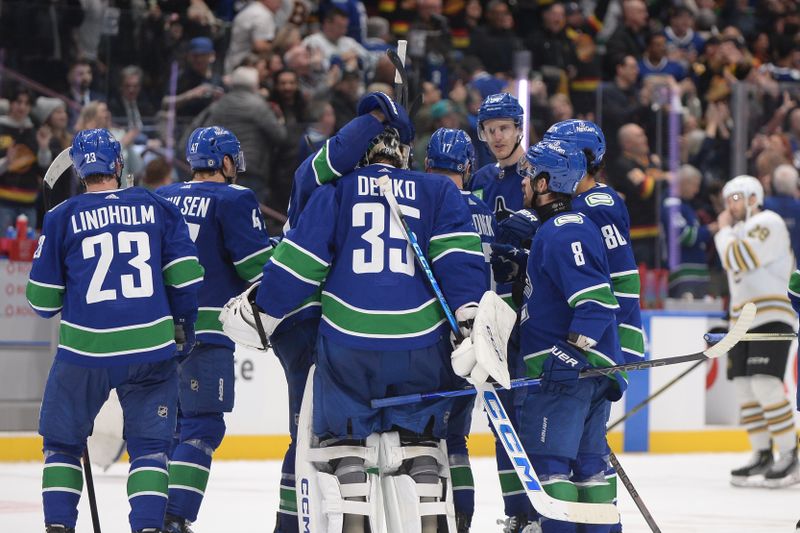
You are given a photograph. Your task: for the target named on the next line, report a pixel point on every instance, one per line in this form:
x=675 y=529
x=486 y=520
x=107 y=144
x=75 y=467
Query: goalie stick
x=735 y=335
x=546 y=505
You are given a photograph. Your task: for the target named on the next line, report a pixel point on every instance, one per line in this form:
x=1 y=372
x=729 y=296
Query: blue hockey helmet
x=584 y=133
x=564 y=162
x=450 y=149
x=95 y=152
x=207 y=148
x=500 y=105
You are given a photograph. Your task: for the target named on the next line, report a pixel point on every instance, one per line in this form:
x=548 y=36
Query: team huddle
x=386 y=282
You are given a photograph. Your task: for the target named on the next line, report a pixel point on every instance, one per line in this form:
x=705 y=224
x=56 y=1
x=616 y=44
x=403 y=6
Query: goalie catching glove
x=483 y=353
x=245 y=323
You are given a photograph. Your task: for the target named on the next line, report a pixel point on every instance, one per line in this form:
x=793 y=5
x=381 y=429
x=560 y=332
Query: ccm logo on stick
x=510 y=441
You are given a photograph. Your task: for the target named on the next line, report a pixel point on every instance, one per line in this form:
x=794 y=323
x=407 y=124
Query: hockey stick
x=623 y=476
x=712 y=338
x=87 y=473
x=398 y=59
x=736 y=334
x=546 y=505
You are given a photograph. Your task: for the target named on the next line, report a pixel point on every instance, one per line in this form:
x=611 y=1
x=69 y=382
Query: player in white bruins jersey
x=755 y=249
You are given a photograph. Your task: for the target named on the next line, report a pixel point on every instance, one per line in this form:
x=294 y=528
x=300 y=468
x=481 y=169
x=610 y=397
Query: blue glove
x=508 y=263
x=561 y=368
x=518 y=228
x=396 y=115
x=184 y=337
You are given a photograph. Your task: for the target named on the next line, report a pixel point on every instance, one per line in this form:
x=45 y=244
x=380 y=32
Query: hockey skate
x=752 y=474
x=176 y=524
x=58 y=528
x=783 y=472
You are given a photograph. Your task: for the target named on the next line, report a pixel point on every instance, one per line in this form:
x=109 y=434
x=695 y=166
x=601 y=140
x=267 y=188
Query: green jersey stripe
x=183 y=272
x=626 y=284
x=117 y=341
x=323 y=170
x=402 y=323
x=40 y=296
x=631 y=339
x=599 y=294
x=148 y=481
x=62 y=477
x=454 y=242
x=794 y=283
x=305 y=265
x=208 y=320
x=251 y=267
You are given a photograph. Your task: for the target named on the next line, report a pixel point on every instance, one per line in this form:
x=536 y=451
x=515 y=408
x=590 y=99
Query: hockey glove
x=184 y=337
x=396 y=115
x=518 y=228
x=245 y=323
x=561 y=368
x=508 y=263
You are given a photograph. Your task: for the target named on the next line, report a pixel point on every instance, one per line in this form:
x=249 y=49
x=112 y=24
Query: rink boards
x=697 y=414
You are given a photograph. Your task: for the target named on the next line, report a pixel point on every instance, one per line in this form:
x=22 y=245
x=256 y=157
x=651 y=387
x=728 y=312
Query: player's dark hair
x=97 y=179
x=561 y=202
x=332 y=12
x=591 y=168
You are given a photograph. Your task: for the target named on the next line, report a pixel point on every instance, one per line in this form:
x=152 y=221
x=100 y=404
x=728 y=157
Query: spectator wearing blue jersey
x=785 y=200
x=684 y=45
x=225 y=222
x=100 y=253
x=654 y=61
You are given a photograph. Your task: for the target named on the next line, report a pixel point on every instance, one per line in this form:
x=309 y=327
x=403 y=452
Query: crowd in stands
x=683 y=90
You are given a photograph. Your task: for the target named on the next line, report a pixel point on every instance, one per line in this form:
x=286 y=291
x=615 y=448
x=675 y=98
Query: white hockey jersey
x=758 y=258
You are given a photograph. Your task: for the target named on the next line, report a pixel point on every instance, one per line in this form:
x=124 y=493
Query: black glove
x=561 y=368
x=184 y=337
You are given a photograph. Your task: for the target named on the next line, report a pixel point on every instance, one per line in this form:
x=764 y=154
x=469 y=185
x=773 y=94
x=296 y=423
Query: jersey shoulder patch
x=599 y=198
x=570 y=218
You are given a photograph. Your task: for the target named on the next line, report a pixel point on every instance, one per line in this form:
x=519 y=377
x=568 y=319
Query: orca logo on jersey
x=510 y=440
x=568 y=219
x=565 y=357
x=305 y=505
x=501 y=212
x=599 y=198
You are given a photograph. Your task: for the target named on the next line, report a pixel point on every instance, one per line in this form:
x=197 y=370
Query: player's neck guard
x=561 y=204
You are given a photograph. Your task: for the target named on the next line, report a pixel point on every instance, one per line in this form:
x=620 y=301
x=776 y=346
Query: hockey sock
x=188 y=476
x=590 y=475
x=780 y=420
x=62 y=482
x=752 y=418
x=147 y=490
x=515 y=501
x=461 y=477
x=287 y=506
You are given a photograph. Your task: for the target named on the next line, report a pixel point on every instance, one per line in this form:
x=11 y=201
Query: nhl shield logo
x=163 y=411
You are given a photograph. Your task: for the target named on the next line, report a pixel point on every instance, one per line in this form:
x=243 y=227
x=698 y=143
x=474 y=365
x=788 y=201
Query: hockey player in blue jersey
x=567 y=324
x=225 y=223
x=295 y=338
x=500 y=126
x=450 y=153
x=382 y=332
x=119 y=266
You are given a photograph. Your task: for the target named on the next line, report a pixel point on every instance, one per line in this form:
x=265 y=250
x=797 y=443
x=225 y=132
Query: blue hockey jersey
x=339 y=155
x=501 y=189
x=486 y=226
x=118 y=265
x=232 y=244
x=691 y=273
x=569 y=291
x=375 y=296
x=607 y=210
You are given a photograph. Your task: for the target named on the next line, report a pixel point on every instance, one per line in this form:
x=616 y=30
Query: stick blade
x=61 y=163
x=736 y=333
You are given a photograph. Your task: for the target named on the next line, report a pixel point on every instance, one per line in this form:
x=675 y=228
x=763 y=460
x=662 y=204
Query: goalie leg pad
x=415 y=477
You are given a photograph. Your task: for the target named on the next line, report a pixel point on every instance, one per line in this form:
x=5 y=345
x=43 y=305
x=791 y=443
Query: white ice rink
x=685 y=493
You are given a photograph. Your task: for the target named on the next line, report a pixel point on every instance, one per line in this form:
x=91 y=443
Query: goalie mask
x=387 y=146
